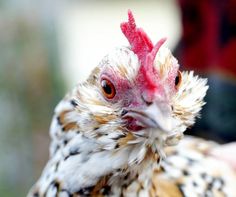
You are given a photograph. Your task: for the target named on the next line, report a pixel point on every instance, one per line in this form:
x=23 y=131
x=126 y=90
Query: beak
x=156 y=116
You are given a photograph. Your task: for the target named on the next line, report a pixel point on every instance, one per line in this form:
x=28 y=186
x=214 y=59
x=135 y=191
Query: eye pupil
x=108 y=89
x=177 y=80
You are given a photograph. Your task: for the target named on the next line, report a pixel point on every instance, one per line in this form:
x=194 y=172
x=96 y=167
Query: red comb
x=139 y=41
x=142 y=46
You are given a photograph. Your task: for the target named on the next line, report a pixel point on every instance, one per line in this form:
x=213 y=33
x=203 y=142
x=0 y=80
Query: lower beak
x=156 y=116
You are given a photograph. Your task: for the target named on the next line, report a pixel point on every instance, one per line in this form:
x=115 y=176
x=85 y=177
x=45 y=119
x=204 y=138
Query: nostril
x=148 y=103
x=124 y=112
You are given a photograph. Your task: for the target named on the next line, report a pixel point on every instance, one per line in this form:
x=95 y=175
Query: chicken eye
x=108 y=89
x=178 y=79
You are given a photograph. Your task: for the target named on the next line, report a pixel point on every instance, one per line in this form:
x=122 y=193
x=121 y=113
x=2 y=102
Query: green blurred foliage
x=30 y=86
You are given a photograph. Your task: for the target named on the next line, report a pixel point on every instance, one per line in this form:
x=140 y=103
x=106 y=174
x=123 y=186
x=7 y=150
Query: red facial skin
x=137 y=95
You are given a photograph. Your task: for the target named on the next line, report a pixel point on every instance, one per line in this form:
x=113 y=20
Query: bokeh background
x=46 y=47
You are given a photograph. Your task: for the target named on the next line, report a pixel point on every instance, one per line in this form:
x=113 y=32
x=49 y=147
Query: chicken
x=120 y=133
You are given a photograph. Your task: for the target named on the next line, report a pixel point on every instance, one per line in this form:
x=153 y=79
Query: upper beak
x=156 y=115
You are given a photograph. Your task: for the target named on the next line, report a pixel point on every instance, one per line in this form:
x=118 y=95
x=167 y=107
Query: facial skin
x=160 y=110
x=145 y=103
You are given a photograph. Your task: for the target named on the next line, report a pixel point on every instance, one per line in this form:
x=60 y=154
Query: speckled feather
x=92 y=153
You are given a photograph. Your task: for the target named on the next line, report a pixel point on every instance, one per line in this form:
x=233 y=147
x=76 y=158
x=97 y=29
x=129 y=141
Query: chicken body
x=113 y=135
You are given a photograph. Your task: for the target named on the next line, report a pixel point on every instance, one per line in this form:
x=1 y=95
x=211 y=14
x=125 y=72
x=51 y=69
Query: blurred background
x=46 y=47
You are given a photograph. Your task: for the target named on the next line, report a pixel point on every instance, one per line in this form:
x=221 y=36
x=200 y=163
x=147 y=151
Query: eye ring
x=108 y=89
x=178 y=79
